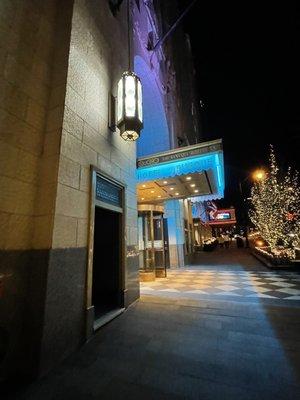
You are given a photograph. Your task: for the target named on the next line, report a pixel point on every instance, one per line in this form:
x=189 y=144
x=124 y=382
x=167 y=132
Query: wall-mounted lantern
x=129 y=106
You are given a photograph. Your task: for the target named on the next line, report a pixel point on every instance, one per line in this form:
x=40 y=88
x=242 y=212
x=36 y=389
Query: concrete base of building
x=176 y=254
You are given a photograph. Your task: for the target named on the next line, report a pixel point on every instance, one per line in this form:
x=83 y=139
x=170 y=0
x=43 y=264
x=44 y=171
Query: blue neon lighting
x=182 y=167
x=212 y=161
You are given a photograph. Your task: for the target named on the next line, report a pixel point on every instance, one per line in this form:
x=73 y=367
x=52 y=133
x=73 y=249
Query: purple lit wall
x=155 y=135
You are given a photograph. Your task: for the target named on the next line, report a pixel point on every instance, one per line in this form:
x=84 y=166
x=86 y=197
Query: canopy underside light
x=182 y=173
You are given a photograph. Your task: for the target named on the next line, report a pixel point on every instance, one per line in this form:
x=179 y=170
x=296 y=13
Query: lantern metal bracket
x=112 y=101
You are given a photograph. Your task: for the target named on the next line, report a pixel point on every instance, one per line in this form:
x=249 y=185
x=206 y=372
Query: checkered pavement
x=240 y=284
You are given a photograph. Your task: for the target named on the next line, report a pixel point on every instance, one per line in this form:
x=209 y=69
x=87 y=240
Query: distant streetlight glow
x=259 y=175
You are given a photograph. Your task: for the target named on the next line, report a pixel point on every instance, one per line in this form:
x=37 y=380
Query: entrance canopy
x=191 y=171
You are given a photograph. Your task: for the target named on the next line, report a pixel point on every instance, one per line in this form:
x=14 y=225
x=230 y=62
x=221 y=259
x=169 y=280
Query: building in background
x=173 y=162
x=69 y=250
x=222 y=220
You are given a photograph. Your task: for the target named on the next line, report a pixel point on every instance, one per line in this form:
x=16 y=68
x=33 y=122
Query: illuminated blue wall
x=174 y=214
x=155 y=135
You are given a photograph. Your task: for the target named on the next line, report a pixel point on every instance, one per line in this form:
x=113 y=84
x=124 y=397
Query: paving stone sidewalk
x=186 y=348
x=224 y=274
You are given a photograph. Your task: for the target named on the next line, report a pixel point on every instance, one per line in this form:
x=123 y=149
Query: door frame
x=94 y=202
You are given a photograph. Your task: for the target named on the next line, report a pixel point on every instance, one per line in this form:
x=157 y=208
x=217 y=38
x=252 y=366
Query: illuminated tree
x=276 y=205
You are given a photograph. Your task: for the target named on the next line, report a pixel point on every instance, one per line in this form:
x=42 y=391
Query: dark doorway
x=106 y=292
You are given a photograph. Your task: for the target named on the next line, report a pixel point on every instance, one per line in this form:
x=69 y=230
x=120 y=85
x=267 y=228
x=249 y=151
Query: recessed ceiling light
x=176 y=194
x=143 y=185
x=188 y=178
x=193 y=184
x=152 y=191
x=165 y=182
x=196 y=191
x=171 y=188
x=158 y=196
x=142 y=198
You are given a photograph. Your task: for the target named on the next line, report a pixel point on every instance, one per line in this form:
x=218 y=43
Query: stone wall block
x=12 y=99
x=130 y=180
x=85 y=178
x=3 y=58
x=48 y=172
x=82 y=233
x=95 y=141
x=10 y=128
x=20 y=230
x=88 y=156
x=52 y=140
x=7 y=12
x=36 y=90
x=103 y=101
x=42 y=233
x=18 y=197
x=92 y=117
x=71 y=202
x=131 y=200
x=9 y=40
x=8 y=156
x=27 y=167
x=108 y=167
x=120 y=159
x=69 y=172
x=16 y=72
x=41 y=70
x=132 y=239
x=93 y=93
x=57 y=96
x=131 y=217
x=79 y=32
x=77 y=79
x=31 y=140
x=72 y=123
x=76 y=103
x=64 y=232
x=55 y=118
x=71 y=147
x=45 y=200
x=35 y=114
x=4 y=223
x=128 y=148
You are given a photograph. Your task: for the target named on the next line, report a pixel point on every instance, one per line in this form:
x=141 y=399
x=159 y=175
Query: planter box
x=271 y=261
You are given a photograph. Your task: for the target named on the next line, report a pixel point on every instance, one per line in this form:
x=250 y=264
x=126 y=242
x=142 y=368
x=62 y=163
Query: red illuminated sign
x=221 y=217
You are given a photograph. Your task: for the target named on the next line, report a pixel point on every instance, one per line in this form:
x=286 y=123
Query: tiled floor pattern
x=250 y=284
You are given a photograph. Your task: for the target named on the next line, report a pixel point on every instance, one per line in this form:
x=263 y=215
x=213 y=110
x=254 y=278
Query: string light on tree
x=276 y=205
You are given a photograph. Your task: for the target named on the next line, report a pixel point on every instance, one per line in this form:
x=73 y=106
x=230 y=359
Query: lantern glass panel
x=120 y=100
x=140 y=105
x=130 y=96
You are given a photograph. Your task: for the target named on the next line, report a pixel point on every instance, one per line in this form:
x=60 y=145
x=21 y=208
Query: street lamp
x=129 y=108
x=129 y=99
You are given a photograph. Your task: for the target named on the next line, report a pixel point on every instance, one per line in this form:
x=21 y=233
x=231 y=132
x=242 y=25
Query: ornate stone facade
x=59 y=64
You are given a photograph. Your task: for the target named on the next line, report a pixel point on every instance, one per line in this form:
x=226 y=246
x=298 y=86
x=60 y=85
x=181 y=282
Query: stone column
x=174 y=213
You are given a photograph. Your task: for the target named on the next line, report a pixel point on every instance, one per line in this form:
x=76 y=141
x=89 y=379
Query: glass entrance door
x=151 y=242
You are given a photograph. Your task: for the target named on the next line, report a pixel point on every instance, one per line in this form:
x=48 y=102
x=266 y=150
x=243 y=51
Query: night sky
x=248 y=79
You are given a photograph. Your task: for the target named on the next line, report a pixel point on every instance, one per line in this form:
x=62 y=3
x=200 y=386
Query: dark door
x=106 y=262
